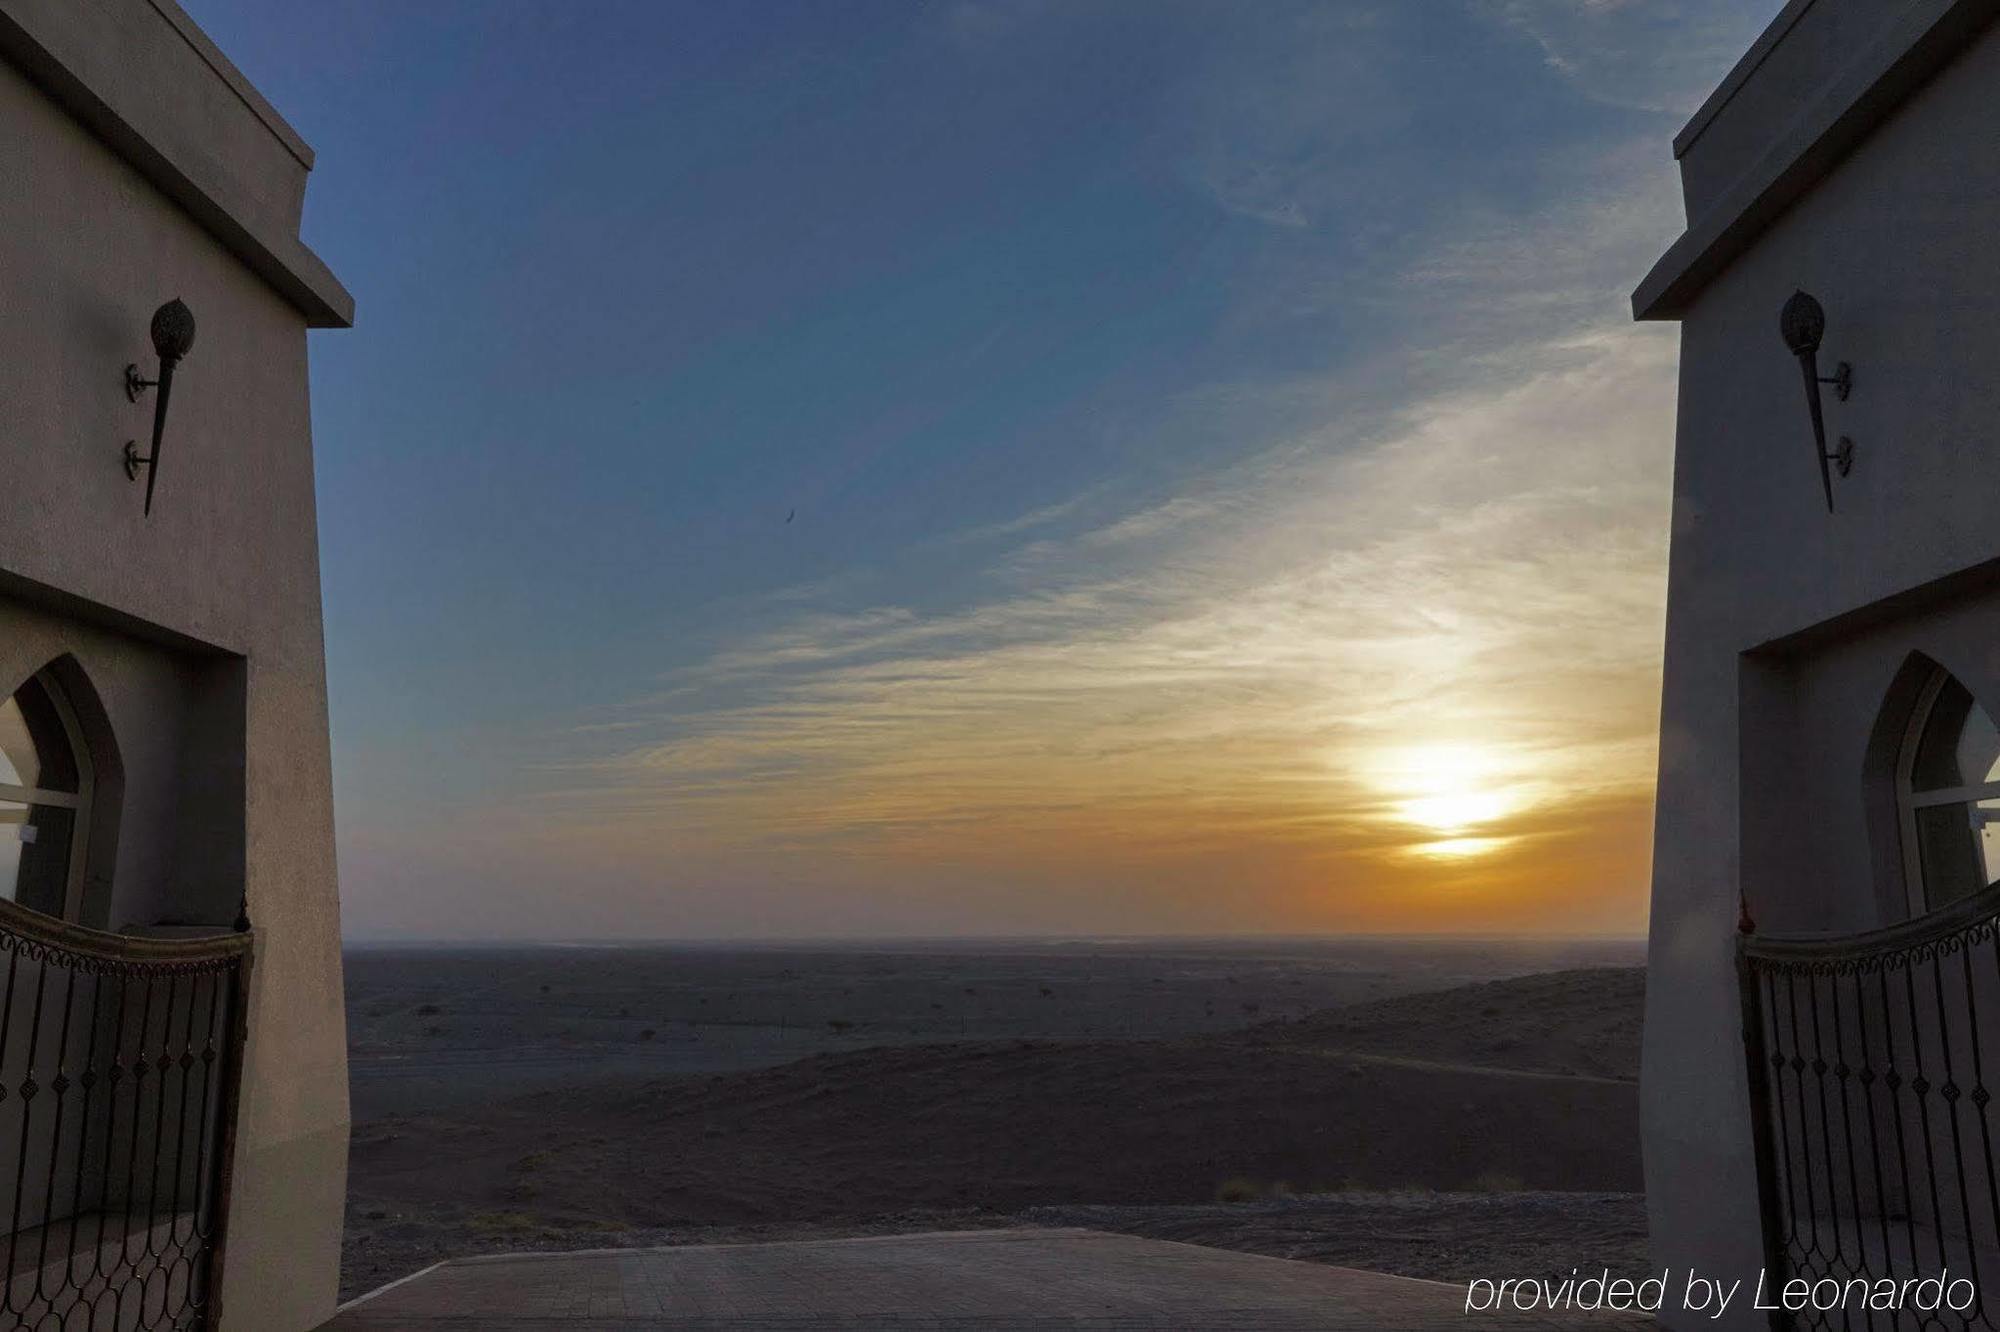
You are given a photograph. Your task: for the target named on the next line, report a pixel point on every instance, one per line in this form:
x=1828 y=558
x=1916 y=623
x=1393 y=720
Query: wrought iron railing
x=119 y=1067
x=1869 y=1059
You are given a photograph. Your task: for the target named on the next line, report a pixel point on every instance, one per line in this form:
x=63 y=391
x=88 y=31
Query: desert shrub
x=501 y=1221
x=1238 y=1190
x=1497 y=1181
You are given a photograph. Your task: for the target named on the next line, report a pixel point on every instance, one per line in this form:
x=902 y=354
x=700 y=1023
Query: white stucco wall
x=1896 y=241
x=206 y=616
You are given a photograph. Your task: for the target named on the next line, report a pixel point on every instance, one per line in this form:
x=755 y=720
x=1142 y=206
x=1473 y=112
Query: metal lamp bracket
x=139 y=383
x=1842 y=380
x=172 y=331
x=135 y=384
x=1802 y=324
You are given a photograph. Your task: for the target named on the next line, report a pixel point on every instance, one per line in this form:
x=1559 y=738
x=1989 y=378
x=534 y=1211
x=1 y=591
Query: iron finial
x=1803 y=324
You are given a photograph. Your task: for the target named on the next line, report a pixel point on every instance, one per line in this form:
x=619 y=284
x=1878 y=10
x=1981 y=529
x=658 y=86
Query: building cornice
x=1739 y=74
x=1907 y=53
x=225 y=69
x=144 y=103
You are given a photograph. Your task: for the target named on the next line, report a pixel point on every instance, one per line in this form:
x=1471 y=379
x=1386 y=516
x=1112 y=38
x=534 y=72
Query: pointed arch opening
x=56 y=759
x=1947 y=784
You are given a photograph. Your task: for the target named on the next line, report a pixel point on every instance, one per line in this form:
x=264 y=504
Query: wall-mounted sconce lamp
x=1803 y=324
x=173 y=335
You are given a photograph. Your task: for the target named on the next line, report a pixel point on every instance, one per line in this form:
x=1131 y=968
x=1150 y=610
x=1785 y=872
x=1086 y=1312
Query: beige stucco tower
x=163 y=738
x=1822 y=1045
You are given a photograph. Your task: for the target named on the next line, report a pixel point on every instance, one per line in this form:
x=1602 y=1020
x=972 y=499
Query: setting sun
x=1448 y=788
x=1455 y=810
x=1455 y=794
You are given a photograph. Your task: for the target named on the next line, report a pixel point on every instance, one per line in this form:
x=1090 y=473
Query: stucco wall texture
x=198 y=628
x=1787 y=626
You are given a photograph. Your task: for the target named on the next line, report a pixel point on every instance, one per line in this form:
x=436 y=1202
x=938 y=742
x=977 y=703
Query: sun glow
x=1454 y=791
x=1459 y=848
x=1448 y=788
x=1453 y=811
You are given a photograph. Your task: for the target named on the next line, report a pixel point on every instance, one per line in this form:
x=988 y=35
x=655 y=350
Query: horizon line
x=776 y=940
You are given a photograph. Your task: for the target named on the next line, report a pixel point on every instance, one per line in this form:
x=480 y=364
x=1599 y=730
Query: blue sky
x=859 y=468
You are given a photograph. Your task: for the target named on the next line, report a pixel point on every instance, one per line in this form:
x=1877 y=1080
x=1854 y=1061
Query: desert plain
x=1435 y=1108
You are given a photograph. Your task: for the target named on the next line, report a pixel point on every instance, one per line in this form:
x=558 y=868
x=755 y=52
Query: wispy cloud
x=1176 y=513
x=1661 y=55
x=1487 y=577
x=1027 y=522
x=1265 y=665
x=1257 y=191
x=1386 y=654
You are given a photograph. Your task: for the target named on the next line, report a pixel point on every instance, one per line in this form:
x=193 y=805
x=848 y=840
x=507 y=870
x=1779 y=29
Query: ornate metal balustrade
x=119 y=1065
x=1873 y=1062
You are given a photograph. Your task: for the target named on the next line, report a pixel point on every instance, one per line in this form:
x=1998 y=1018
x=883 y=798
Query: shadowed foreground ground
x=988 y=1281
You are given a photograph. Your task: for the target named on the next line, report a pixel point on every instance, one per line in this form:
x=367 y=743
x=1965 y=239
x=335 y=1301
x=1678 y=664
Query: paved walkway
x=983 y=1280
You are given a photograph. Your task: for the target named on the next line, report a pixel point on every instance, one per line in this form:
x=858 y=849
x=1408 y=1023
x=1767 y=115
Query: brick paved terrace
x=986 y=1280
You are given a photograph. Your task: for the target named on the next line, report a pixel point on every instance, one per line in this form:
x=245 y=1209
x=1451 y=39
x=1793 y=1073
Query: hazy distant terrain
x=433 y=1027
x=554 y=1097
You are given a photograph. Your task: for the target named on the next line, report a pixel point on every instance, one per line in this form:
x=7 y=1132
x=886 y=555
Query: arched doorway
x=1948 y=796
x=47 y=783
